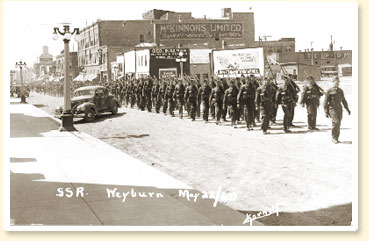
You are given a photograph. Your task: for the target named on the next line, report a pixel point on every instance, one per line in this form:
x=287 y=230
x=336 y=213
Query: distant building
x=73 y=65
x=102 y=41
x=45 y=64
x=276 y=49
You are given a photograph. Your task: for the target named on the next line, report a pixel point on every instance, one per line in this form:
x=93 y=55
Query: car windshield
x=84 y=93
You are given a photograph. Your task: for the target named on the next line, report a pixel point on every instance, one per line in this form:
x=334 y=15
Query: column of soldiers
x=247 y=98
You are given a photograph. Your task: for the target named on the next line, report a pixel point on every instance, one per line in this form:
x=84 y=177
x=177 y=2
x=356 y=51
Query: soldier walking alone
x=333 y=108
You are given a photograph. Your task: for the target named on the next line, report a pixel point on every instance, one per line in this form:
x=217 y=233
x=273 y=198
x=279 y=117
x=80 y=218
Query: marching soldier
x=204 y=93
x=256 y=86
x=295 y=98
x=179 y=96
x=230 y=100
x=225 y=86
x=264 y=101
x=212 y=105
x=161 y=98
x=285 y=95
x=191 y=94
x=154 y=95
x=169 y=96
x=310 y=96
x=147 y=88
x=273 y=114
x=216 y=97
x=334 y=98
x=246 y=101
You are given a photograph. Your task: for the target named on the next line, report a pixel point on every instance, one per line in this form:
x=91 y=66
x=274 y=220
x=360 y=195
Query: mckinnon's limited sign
x=199 y=30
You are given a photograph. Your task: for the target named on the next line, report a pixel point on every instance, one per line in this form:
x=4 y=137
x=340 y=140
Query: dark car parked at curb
x=90 y=101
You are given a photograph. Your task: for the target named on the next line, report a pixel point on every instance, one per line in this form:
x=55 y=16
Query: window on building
x=328 y=62
x=142 y=38
x=145 y=60
x=316 y=62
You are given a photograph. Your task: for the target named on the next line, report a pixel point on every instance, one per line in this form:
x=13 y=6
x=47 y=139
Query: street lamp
x=180 y=59
x=12 y=73
x=20 y=64
x=100 y=63
x=67 y=115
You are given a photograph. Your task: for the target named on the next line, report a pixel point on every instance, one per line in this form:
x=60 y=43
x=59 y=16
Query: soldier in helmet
x=264 y=101
x=246 y=101
x=285 y=97
x=310 y=96
x=230 y=100
x=169 y=95
x=334 y=98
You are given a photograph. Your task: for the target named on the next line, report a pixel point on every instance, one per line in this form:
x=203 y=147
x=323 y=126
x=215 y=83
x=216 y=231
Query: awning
x=90 y=77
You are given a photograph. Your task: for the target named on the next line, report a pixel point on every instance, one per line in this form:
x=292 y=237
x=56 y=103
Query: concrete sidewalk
x=72 y=178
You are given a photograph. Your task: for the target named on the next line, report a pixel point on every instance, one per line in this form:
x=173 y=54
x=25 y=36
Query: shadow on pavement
x=124 y=137
x=19 y=125
x=340 y=215
x=14 y=159
x=100 y=118
x=35 y=201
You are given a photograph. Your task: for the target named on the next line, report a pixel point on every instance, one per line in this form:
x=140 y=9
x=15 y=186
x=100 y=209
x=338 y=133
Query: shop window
x=205 y=76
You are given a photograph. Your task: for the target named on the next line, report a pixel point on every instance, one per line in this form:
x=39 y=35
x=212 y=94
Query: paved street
x=313 y=176
x=74 y=179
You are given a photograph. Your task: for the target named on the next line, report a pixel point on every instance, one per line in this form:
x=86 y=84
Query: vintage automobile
x=90 y=101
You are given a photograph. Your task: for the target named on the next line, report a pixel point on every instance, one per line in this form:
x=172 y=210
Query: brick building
x=102 y=41
x=73 y=65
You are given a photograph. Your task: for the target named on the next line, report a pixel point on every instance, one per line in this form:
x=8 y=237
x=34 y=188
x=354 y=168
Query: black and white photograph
x=180 y=116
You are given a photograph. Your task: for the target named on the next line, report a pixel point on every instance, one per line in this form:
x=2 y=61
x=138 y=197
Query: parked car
x=90 y=101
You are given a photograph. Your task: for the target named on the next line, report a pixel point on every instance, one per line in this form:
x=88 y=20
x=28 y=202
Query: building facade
x=73 y=65
x=102 y=41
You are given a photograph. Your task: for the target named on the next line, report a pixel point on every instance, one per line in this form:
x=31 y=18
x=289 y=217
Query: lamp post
x=181 y=60
x=20 y=64
x=12 y=73
x=67 y=115
x=100 y=63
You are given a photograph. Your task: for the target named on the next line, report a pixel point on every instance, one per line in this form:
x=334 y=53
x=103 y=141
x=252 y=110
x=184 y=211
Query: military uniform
x=295 y=99
x=154 y=96
x=230 y=100
x=191 y=94
x=179 y=96
x=285 y=96
x=264 y=102
x=333 y=109
x=310 y=96
x=205 y=92
x=216 y=97
x=246 y=101
x=225 y=86
x=170 y=98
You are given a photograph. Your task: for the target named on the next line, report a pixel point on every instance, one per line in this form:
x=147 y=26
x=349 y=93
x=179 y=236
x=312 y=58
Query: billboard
x=170 y=53
x=167 y=73
x=200 y=30
x=200 y=56
x=236 y=62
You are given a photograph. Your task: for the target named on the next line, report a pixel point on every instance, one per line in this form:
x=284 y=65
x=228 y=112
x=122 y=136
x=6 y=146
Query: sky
x=28 y=26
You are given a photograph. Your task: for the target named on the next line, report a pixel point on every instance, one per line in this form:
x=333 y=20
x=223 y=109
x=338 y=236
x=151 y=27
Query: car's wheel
x=90 y=115
x=115 y=109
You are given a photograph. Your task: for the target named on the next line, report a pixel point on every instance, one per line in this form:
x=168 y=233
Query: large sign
x=200 y=56
x=199 y=30
x=236 y=62
x=167 y=73
x=172 y=53
x=328 y=55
